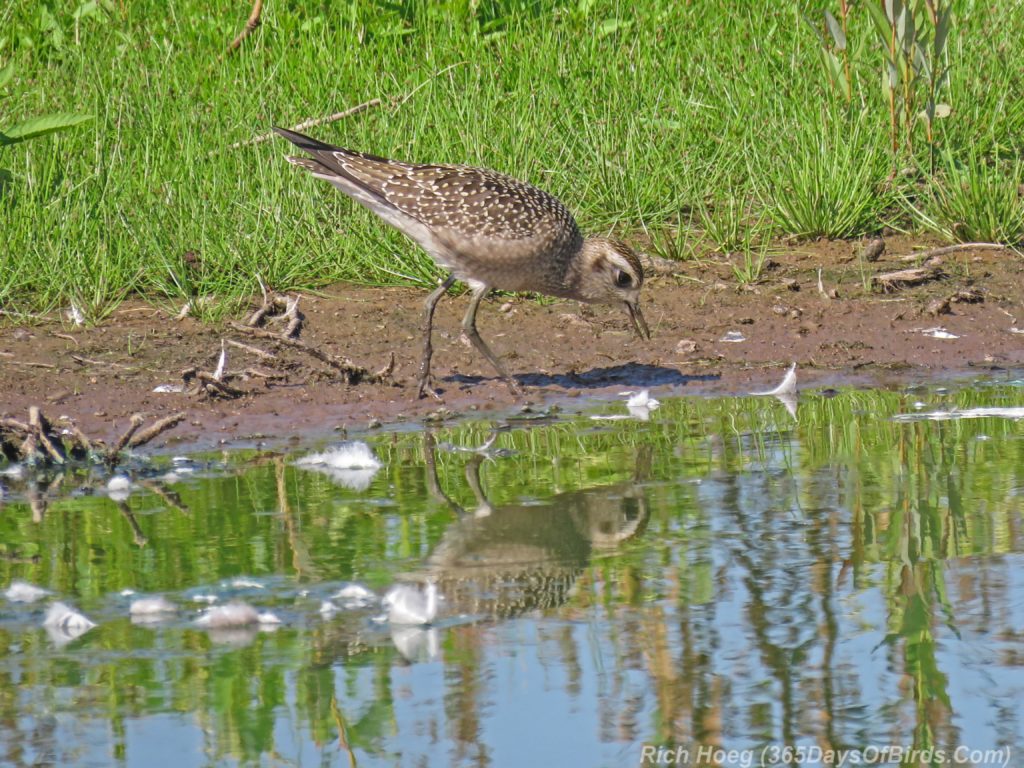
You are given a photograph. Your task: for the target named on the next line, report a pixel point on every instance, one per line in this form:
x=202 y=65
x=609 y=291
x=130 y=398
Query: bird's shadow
x=626 y=375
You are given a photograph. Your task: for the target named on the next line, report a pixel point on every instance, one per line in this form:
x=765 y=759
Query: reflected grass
x=758 y=529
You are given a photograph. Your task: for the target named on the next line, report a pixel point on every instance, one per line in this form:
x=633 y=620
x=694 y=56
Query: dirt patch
x=845 y=330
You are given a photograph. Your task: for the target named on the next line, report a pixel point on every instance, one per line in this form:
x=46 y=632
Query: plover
x=487 y=229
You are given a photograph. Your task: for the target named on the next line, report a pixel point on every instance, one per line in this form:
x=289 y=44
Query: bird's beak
x=639 y=324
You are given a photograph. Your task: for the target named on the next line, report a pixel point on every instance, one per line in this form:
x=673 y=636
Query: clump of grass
x=748 y=264
x=826 y=182
x=976 y=200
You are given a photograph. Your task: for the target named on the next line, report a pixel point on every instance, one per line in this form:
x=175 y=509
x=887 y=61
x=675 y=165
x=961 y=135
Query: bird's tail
x=303 y=141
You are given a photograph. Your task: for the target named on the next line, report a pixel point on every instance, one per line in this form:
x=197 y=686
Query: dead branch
x=254 y=350
x=276 y=308
x=81 y=445
x=41 y=443
x=12 y=425
x=113 y=454
x=88 y=361
x=256 y=373
x=312 y=122
x=906 y=277
x=209 y=384
x=250 y=24
x=947 y=249
x=350 y=373
x=42 y=428
x=656 y=265
x=156 y=429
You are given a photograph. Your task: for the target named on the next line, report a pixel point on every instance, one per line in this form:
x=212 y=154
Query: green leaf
x=835 y=66
x=906 y=31
x=6 y=74
x=942 y=30
x=881 y=22
x=40 y=126
x=611 y=26
x=87 y=8
x=836 y=30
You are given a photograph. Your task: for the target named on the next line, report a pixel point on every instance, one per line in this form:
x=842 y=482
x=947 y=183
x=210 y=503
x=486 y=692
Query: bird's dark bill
x=638 y=321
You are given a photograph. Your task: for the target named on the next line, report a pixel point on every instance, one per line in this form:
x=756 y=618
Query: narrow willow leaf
x=836 y=67
x=921 y=62
x=836 y=30
x=40 y=126
x=882 y=24
x=942 y=30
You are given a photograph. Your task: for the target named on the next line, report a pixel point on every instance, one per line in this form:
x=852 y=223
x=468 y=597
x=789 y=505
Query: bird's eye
x=623 y=279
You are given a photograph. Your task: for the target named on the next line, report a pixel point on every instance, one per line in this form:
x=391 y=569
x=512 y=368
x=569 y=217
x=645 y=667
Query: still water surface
x=721 y=575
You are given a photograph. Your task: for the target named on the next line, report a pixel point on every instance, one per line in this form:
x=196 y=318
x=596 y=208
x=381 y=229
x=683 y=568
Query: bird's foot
x=425 y=388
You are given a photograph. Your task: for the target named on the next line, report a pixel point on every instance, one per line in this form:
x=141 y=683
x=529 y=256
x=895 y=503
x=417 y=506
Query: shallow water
x=719 y=576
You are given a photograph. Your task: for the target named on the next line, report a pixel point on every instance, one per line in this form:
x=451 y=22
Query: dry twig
x=906 y=277
x=947 y=249
x=309 y=124
x=251 y=23
x=156 y=429
x=350 y=373
x=112 y=455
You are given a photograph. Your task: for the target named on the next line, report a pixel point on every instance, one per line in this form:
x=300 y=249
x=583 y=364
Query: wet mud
x=816 y=304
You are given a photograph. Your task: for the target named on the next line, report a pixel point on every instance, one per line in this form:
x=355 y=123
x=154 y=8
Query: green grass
x=637 y=115
x=977 y=200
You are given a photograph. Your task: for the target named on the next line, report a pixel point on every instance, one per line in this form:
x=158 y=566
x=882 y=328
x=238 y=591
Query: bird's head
x=609 y=272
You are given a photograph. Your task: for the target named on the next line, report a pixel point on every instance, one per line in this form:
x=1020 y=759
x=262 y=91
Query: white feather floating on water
x=235 y=615
x=63 y=623
x=23 y=592
x=351 y=464
x=639 y=404
x=641 y=399
x=353 y=454
x=119 y=487
x=407 y=604
x=786 y=387
x=151 y=606
x=355 y=596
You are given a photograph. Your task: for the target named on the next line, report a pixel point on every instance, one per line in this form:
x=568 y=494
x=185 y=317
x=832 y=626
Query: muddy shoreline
x=848 y=331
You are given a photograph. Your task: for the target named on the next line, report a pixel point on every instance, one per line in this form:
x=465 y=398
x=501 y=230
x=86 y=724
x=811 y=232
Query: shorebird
x=487 y=229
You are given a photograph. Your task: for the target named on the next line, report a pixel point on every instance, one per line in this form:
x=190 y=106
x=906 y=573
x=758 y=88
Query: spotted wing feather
x=467 y=211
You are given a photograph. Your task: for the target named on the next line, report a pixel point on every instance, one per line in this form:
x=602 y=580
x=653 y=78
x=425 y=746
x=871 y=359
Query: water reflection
x=719 y=576
x=504 y=560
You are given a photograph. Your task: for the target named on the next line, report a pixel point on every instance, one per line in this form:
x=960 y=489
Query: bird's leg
x=469 y=328
x=431 y=304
